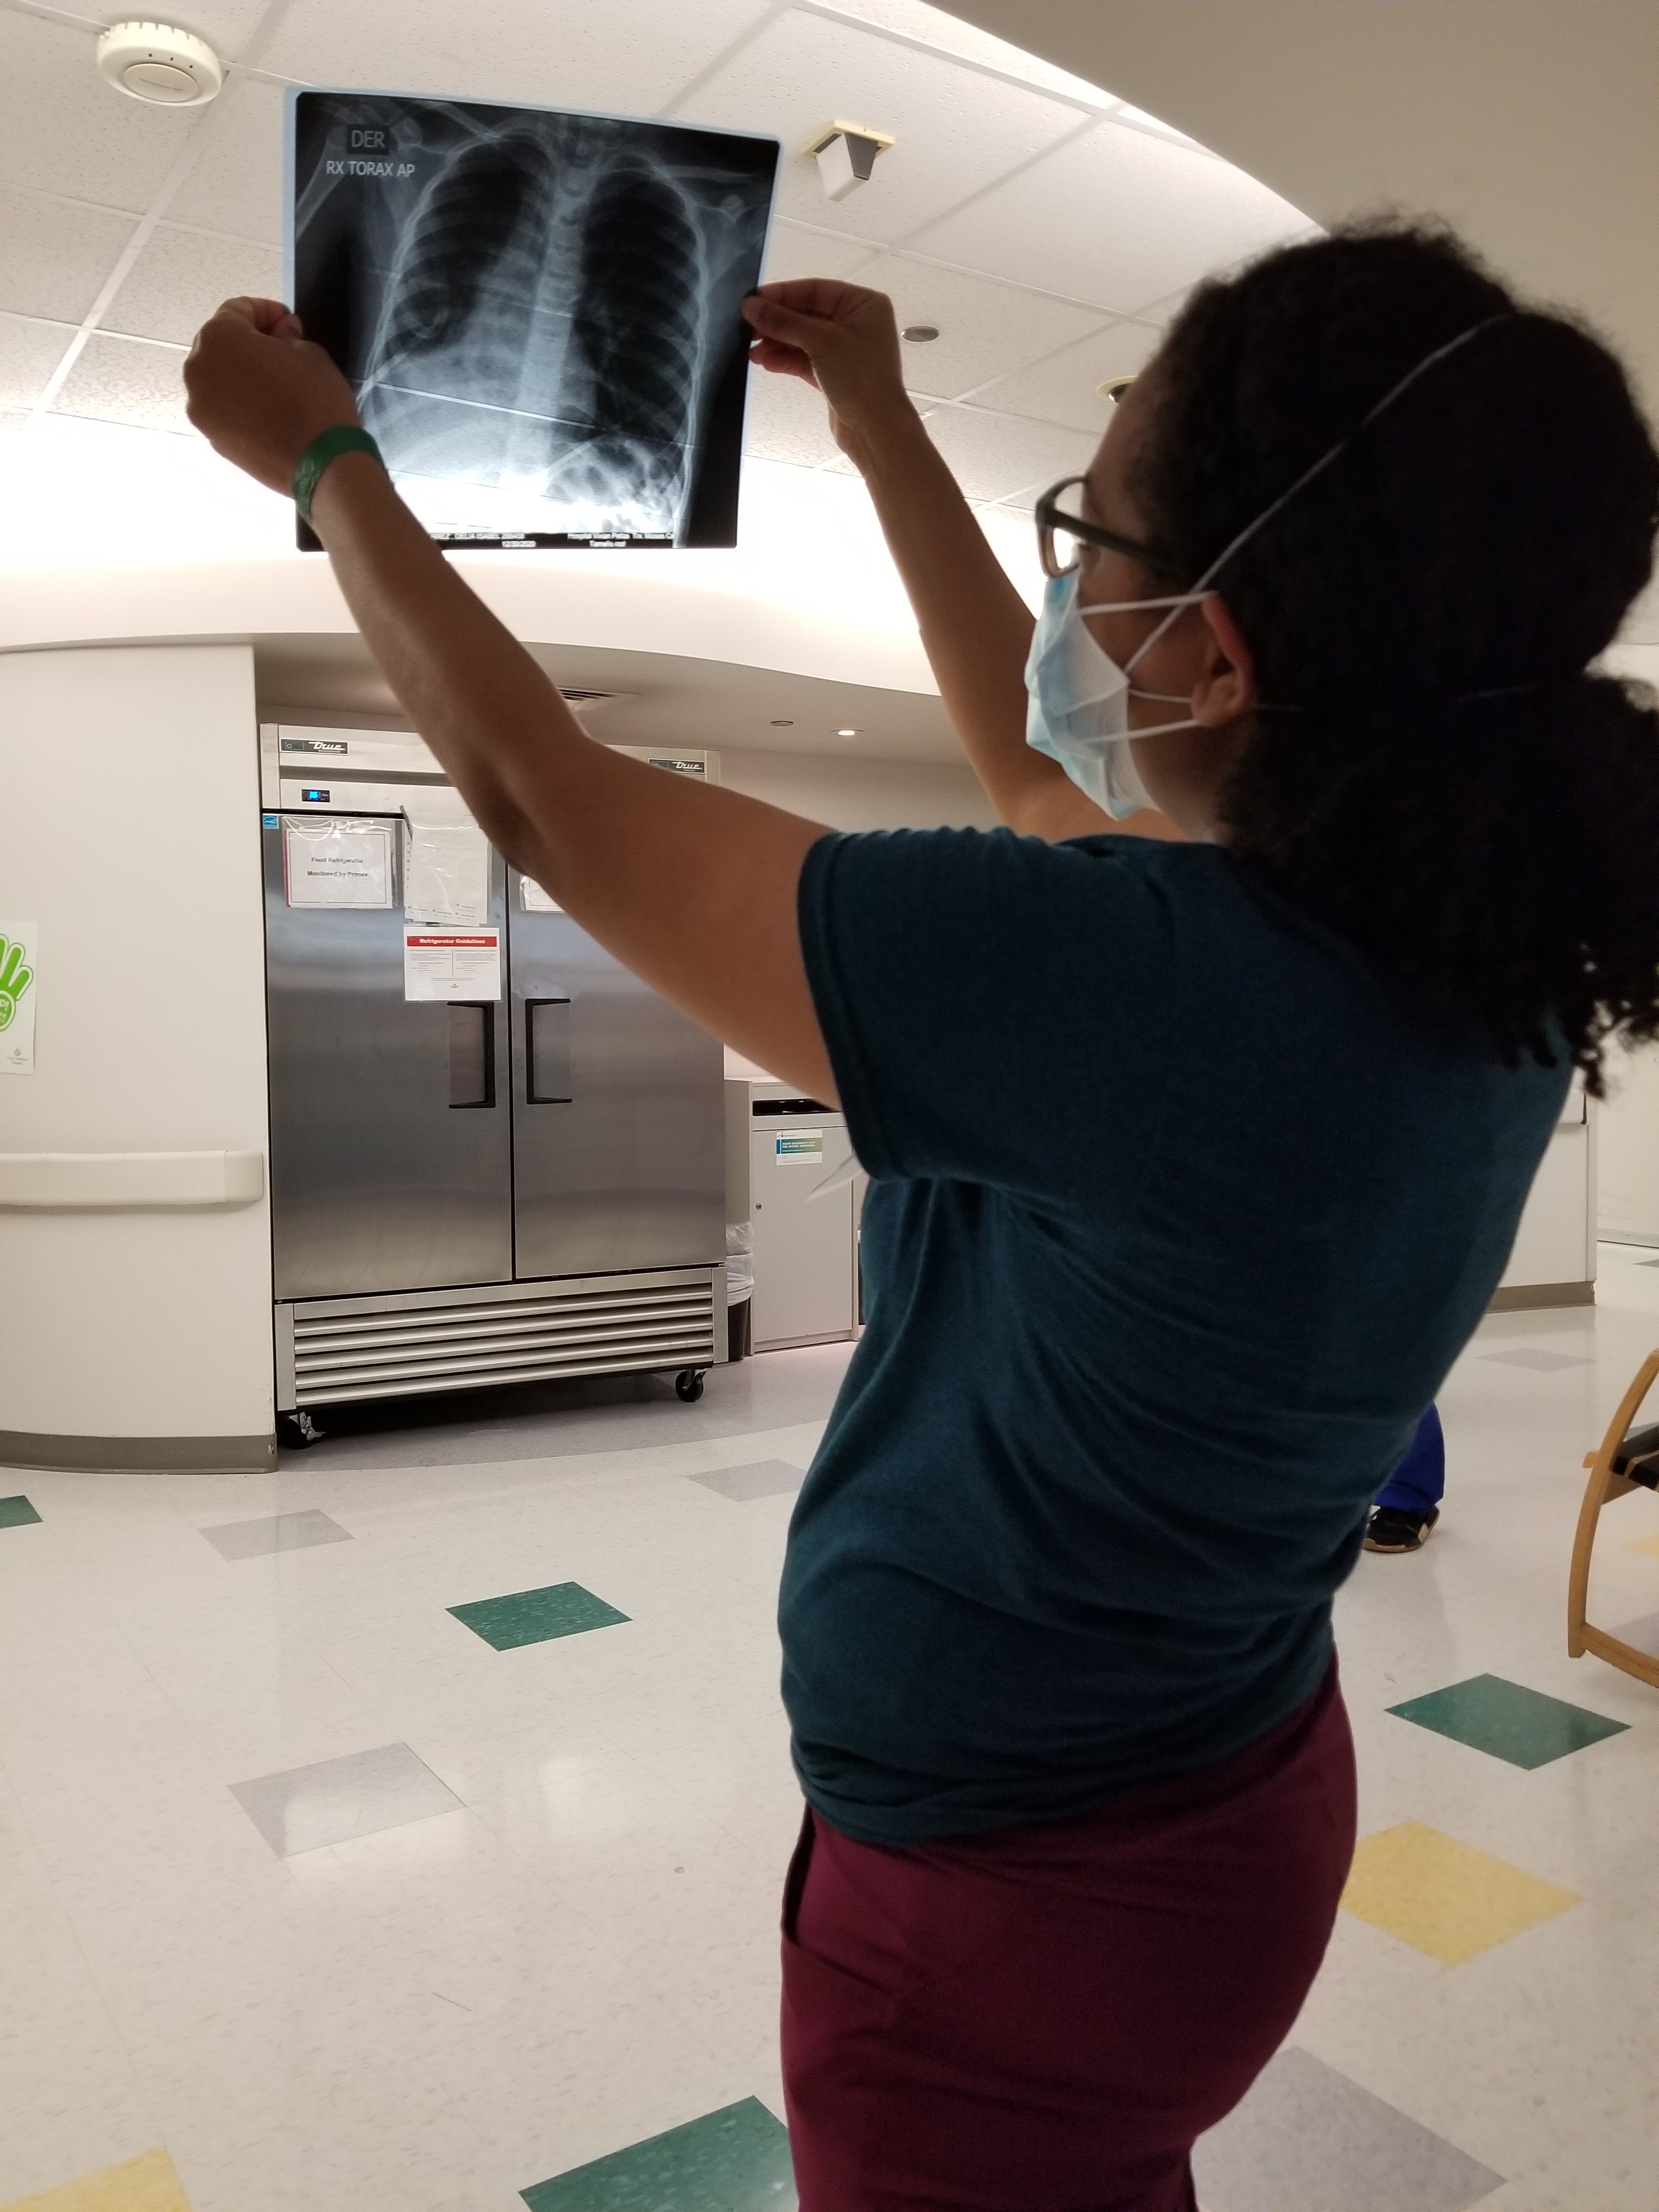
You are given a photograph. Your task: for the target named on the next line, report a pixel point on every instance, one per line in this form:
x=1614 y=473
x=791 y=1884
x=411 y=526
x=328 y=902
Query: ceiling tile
x=28 y=353
x=793 y=251
x=237 y=184
x=985 y=329
x=787 y=421
x=53 y=258
x=1065 y=388
x=951 y=36
x=1117 y=219
x=227 y=24
x=126 y=380
x=629 y=56
x=992 y=456
x=956 y=130
x=181 y=276
x=63 y=129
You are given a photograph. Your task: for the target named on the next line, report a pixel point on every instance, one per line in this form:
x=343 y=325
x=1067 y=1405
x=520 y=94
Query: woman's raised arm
x=975 y=626
x=692 y=888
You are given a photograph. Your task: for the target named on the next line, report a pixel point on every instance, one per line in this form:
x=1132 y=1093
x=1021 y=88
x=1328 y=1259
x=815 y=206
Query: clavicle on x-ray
x=538 y=310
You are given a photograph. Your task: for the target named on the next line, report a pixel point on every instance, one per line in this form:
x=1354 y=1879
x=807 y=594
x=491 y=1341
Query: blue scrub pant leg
x=1418 y=1483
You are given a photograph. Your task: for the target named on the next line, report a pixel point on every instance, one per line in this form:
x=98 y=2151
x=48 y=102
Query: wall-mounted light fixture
x=846 y=156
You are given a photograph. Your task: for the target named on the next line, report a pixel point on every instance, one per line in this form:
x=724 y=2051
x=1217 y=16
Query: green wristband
x=328 y=445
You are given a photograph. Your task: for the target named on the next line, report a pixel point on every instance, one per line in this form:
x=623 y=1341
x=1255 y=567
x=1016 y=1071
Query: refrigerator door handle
x=471 y=1054
x=547 y=1052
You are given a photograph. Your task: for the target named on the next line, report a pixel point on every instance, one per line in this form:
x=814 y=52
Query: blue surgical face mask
x=1078 y=709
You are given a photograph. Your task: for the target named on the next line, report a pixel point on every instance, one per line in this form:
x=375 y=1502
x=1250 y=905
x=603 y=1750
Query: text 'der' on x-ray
x=538 y=310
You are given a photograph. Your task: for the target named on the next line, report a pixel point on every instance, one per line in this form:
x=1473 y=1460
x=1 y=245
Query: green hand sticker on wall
x=14 y=979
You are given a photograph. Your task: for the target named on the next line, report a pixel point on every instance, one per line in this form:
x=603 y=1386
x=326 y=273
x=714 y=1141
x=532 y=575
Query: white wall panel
x=130 y=834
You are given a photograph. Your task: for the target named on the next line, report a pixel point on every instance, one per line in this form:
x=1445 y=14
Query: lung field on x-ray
x=538 y=310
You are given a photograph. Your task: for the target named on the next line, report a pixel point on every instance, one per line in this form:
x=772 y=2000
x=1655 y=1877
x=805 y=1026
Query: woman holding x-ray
x=1193 y=1163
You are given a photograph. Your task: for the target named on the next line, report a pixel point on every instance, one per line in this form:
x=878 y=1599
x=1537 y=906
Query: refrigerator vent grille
x=582 y=1331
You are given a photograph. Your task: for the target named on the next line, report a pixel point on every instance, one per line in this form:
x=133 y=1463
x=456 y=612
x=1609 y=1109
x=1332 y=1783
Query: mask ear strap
x=1135 y=606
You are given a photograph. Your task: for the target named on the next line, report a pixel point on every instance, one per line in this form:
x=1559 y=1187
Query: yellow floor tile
x=140 y=2185
x=1442 y=1897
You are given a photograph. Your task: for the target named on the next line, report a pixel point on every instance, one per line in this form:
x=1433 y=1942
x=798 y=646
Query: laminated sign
x=445 y=873
x=20 y=945
x=451 y=964
x=802 y=1148
x=337 y=863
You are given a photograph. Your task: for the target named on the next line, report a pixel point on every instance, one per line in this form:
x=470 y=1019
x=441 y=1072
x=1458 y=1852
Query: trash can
x=740 y=1286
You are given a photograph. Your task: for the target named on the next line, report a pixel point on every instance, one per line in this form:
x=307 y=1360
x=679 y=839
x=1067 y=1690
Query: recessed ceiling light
x=155 y=63
x=846 y=733
x=783 y=722
x=921 y=333
x=1114 y=388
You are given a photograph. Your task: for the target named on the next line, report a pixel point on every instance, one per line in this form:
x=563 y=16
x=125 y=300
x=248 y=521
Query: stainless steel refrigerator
x=472 y=1190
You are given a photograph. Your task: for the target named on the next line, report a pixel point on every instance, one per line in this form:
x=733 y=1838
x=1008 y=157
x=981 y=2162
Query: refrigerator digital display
x=538 y=310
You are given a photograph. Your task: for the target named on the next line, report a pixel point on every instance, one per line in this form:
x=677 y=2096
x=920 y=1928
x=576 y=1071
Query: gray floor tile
x=1307 y=2138
x=310 y=1807
x=275 y=1532
x=761 y=1478
x=1528 y=1355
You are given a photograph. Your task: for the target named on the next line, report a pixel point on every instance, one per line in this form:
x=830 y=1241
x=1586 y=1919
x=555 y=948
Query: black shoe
x=1390 y=1529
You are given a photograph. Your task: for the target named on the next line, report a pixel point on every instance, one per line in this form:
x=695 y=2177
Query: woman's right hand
x=844 y=340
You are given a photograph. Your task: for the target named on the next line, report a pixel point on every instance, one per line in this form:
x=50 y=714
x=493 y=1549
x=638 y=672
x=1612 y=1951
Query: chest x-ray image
x=538 y=310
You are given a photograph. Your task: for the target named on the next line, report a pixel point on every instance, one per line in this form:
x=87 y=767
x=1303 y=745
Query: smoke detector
x=153 y=62
x=846 y=156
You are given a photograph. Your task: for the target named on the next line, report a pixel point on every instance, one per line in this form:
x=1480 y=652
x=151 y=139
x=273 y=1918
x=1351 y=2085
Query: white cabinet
x=804 y=1243
x=1554 y=1249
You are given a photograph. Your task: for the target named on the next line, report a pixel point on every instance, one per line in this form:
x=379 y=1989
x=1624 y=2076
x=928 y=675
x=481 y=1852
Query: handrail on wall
x=82 y=1181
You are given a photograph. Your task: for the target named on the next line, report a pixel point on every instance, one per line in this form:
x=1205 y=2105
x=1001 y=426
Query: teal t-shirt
x=1178 y=1218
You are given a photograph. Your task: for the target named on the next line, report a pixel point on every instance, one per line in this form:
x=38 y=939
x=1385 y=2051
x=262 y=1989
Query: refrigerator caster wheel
x=687 y=1384
x=298 y=1430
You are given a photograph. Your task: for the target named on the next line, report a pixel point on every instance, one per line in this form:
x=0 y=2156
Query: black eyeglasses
x=1061 y=536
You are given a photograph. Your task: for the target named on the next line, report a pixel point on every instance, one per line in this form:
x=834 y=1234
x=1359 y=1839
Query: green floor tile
x=1521 y=1725
x=734 y=2161
x=16 y=1513
x=535 y=1616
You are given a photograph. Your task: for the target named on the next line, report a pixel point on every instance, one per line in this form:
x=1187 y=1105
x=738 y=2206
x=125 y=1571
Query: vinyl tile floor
x=404 y=1830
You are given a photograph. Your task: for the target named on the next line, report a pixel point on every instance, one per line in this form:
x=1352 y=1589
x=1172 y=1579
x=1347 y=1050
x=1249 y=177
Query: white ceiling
x=1046 y=229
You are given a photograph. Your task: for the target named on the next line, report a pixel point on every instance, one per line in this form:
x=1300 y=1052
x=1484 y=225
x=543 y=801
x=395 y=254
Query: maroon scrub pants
x=1042 y=2020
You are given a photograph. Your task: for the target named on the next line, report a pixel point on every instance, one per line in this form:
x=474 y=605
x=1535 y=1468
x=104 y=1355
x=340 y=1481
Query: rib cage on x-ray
x=557 y=297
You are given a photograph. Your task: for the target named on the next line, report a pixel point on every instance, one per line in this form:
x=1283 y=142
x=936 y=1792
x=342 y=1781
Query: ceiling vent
x=154 y=62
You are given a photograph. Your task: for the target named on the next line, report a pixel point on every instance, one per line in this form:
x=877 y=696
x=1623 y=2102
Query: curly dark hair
x=1434 y=772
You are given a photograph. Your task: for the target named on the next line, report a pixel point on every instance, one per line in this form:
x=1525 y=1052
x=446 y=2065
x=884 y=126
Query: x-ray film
x=538 y=310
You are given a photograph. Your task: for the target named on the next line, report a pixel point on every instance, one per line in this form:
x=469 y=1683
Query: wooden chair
x=1628 y=1460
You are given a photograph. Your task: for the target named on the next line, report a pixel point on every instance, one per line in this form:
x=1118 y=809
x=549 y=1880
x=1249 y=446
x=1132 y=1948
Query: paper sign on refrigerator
x=20 y=951
x=337 y=863
x=451 y=964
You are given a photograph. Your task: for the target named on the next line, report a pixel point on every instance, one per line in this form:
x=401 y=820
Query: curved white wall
x=129 y=831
